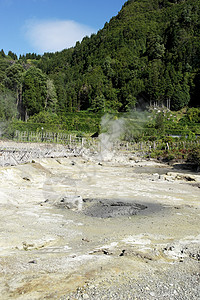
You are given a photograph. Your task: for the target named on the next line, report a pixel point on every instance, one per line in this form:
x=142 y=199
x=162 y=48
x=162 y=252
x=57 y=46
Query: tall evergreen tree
x=34 y=91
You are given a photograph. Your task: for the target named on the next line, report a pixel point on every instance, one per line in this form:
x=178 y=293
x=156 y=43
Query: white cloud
x=56 y=35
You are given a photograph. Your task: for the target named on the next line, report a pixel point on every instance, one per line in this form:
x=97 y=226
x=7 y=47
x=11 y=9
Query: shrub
x=44 y=117
x=194 y=156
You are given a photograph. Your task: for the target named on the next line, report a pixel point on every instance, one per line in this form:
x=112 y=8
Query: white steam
x=113 y=128
x=127 y=128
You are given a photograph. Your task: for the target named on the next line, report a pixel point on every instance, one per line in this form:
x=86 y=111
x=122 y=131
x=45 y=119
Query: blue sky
x=51 y=25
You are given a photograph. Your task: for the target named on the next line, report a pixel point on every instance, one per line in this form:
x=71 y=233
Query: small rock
x=26 y=178
x=105 y=252
x=85 y=240
x=32 y=262
x=122 y=253
x=71 y=202
x=175 y=292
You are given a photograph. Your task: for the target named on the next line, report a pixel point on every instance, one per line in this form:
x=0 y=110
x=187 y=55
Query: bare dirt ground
x=139 y=220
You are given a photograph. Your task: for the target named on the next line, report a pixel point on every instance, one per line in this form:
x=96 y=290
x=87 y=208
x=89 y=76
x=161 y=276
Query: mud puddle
x=107 y=208
x=110 y=209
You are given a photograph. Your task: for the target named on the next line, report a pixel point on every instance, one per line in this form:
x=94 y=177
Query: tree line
x=149 y=54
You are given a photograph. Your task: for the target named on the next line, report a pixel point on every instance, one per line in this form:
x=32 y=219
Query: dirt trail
x=48 y=250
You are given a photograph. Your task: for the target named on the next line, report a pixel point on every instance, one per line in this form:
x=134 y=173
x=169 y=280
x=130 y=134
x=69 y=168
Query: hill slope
x=149 y=52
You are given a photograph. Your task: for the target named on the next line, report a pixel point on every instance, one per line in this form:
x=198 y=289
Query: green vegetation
x=146 y=56
x=188 y=153
x=194 y=157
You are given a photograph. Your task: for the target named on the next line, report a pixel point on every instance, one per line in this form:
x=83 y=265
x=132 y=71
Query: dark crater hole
x=110 y=209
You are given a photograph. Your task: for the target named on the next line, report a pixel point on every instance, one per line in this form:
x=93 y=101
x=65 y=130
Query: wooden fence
x=30 y=145
x=97 y=145
x=68 y=140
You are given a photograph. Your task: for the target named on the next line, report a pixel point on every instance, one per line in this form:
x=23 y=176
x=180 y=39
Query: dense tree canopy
x=149 y=54
x=34 y=91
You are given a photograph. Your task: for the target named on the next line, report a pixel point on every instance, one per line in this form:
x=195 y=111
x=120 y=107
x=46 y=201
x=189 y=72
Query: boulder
x=71 y=202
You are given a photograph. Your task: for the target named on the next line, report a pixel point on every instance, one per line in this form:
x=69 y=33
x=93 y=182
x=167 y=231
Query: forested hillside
x=148 y=54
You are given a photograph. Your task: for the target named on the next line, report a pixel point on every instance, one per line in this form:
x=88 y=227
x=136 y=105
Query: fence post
x=70 y=140
x=42 y=134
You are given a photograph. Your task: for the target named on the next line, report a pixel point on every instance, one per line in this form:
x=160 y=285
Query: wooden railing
x=28 y=146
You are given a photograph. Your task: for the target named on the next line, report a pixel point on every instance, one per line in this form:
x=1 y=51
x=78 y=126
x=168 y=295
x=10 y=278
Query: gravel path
x=180 y=282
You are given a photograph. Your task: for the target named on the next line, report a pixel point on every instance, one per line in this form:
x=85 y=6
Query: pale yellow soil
x=47 y=251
